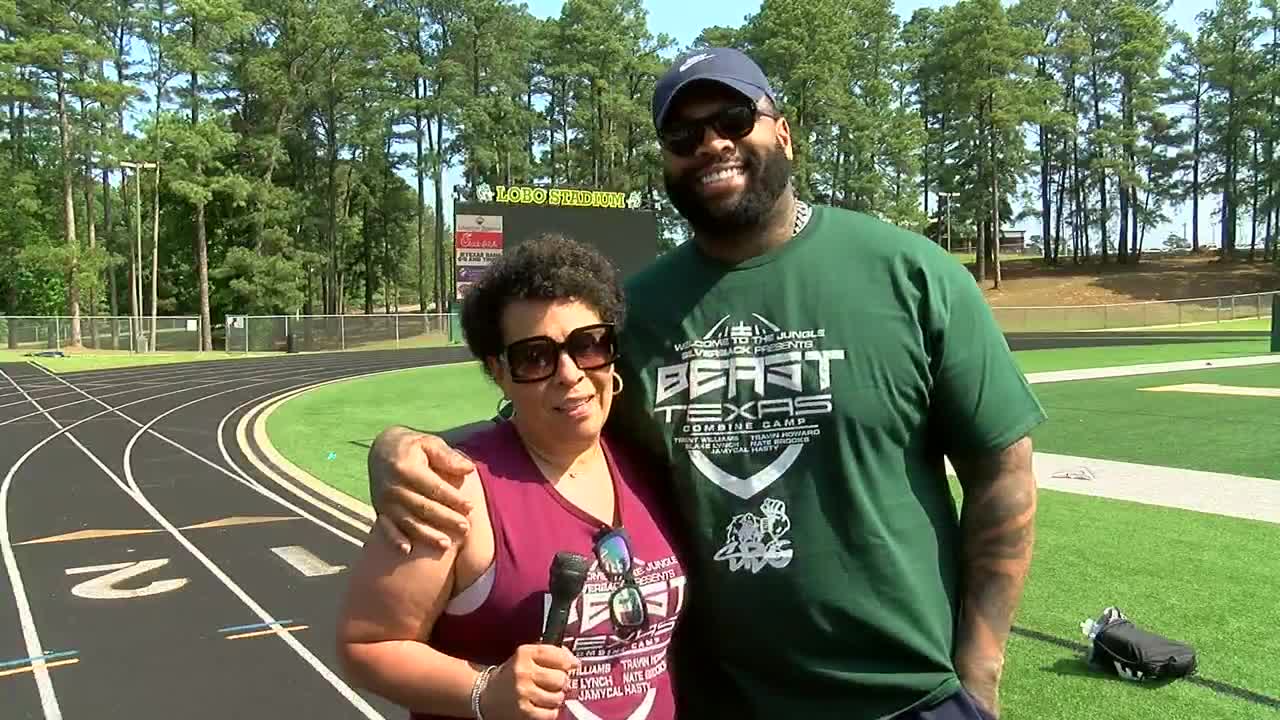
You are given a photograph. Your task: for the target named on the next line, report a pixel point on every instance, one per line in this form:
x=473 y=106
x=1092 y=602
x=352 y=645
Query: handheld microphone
x=568 y=575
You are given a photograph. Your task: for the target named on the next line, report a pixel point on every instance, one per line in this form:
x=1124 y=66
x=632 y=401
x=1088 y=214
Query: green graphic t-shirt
x=805 y=400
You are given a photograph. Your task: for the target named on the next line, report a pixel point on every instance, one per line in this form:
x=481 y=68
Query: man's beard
x=767 y=176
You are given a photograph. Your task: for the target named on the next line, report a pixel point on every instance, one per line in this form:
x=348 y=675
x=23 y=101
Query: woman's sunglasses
x=626 y=605
x=537 y=358
x=731 y=122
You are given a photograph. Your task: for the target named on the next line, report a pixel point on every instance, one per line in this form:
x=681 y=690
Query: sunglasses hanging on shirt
x=626 y=605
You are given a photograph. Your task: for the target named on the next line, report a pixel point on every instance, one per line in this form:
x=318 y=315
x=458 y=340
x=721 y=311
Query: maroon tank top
x=618 y=679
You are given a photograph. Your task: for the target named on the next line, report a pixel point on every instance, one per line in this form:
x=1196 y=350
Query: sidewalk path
x=1151 y=369
x=1207 y=492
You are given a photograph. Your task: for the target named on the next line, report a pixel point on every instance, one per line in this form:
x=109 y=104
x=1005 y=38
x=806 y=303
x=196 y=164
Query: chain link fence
x=312 y=333
x=54 y=332
x=1143 y=315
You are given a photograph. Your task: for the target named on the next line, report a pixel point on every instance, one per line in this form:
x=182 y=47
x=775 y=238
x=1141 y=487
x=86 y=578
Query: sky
x=685 y=19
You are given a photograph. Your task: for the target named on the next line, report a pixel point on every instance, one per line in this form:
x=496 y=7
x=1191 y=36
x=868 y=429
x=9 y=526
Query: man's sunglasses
x=731 y=122
x=626 y=605
x=537 y=358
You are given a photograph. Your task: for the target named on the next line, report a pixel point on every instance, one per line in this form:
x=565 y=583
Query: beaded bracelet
x=478 y=687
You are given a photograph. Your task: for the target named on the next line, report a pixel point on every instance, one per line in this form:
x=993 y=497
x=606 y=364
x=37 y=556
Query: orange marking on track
x=29 y=668
x=268 y=631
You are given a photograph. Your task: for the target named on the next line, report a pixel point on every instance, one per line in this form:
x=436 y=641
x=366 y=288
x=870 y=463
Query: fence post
x=342 y=330
x=57 y=332
x=1218 y=306
x=286 y=333
x=397 y=318
x=1275 y=323
x=246 y=334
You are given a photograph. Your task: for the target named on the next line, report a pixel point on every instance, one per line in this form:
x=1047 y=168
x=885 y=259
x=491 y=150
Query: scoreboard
x=627 y=236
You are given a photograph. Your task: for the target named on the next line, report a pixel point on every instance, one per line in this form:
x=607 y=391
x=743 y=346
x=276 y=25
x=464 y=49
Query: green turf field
x=1190 y=576
x=79 y=361
x=1033 y=361
x=343 y=418
x=1114 y=418
x=1253 y=324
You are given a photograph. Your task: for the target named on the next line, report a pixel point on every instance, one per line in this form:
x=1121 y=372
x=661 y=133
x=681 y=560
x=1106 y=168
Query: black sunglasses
x=626 y=605
x=731 y=122
x=534 y=359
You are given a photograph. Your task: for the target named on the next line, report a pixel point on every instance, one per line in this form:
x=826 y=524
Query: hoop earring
x=617 y=383
x=506 y=408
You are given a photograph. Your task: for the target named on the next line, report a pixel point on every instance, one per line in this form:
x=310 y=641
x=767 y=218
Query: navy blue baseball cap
x=726 y=66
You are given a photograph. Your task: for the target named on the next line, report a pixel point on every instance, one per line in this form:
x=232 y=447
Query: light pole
x=948 y=196
x=138 y=167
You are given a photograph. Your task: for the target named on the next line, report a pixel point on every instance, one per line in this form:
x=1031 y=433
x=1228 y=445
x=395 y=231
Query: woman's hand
x=530 y=685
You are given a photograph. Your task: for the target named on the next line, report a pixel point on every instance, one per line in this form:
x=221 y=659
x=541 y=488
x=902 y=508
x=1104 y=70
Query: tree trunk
x=995 y=199
x=417 y=141
x=331 y=231
x=1195 y=176
x=370 y=277
x=1253 y=214
x=1046 y=211
x=1057 y=233
x=1124 y=180
x=980 y=252
x=445 y=298
x=90 y=214
x=1102 y=174
x=69 y=212
x=108 y=233
x=202 y=267
x=11 y=309
x=202 y=244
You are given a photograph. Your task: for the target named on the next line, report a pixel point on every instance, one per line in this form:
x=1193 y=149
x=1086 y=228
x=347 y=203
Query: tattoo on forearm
x=998 y=532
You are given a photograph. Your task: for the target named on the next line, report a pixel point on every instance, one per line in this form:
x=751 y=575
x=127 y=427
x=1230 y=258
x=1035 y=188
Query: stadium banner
x=477 y=242
x=560 y=197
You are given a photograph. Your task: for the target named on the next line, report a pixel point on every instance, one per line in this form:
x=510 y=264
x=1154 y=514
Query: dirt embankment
x=1029 y=282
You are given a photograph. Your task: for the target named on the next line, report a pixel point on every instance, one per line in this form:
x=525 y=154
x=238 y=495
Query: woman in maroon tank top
x=455 y=633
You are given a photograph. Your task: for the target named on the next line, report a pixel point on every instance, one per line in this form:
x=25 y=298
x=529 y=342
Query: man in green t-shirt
x=803 y=371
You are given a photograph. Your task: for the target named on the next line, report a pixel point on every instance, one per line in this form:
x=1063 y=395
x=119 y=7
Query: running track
x=145 y=559
x=143 y=466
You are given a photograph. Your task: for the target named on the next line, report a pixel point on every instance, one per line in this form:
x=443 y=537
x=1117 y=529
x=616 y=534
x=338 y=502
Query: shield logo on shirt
x=745 y=392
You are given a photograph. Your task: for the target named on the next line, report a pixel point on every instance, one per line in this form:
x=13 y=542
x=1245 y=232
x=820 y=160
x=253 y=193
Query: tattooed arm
x=997 y=531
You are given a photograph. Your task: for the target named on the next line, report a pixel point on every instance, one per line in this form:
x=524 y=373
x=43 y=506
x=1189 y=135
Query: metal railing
x=1150 y=314
x=34 y=333
x=312 y=333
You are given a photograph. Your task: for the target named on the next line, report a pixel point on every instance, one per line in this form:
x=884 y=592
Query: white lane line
x=135 y=493
x=305 y=561
x=243 y=479
x=90 y=398
x=363 y=528
x=336 y=504
x=338 y=684
x=30 y=638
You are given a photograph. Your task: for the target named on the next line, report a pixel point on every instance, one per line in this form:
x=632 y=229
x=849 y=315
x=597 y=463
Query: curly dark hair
x=548 y=267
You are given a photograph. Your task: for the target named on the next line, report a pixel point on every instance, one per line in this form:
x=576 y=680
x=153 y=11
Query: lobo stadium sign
x=558 y=197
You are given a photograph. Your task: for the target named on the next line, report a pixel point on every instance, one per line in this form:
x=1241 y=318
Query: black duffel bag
x=1121 y=648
